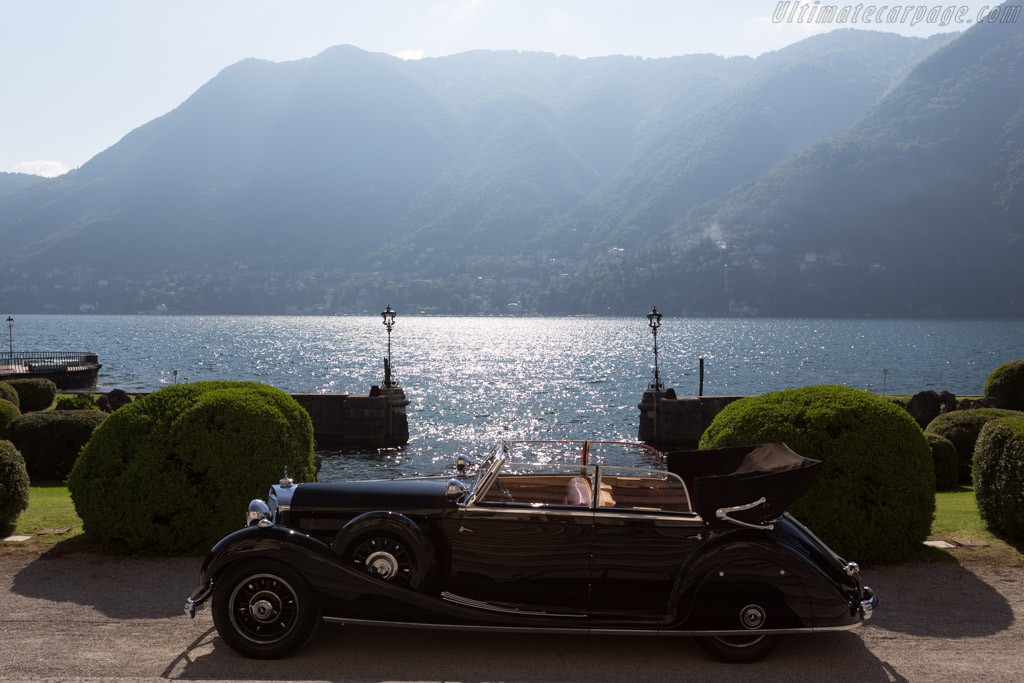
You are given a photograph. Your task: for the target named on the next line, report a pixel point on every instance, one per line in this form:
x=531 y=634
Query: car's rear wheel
x=264 y=610
x=738 y=649
x=384 y=557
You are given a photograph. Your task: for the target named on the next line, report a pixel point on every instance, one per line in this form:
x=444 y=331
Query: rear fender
x=743 y=581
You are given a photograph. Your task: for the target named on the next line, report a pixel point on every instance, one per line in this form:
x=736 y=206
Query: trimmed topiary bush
x=962 y=428
x=8 y=393
x=945 y=459
x=8 y=411
x=174 y=471
x=999 y=475
x=34 y=394
x=51 y=441
x=1005 y=384
x=875 y=496
x=13 y=486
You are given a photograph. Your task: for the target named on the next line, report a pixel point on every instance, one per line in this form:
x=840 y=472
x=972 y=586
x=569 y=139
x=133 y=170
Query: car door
x=643 y=535
x=530 y=553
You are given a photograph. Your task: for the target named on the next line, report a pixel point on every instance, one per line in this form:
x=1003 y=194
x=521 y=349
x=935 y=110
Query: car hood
x=395 y=494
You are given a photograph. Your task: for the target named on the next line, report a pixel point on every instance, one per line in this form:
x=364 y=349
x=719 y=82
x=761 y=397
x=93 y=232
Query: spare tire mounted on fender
x=389 y=546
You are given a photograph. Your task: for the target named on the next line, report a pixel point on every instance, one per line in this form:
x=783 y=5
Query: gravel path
x=82 y=616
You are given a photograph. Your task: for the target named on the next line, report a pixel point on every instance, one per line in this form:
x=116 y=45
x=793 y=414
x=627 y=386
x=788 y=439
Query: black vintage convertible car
x=542 y=537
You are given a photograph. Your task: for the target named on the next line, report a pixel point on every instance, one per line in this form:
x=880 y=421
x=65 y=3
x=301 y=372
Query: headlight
x=258 y=514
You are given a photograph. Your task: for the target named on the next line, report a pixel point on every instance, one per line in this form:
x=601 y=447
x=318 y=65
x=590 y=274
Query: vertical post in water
x=701 y=390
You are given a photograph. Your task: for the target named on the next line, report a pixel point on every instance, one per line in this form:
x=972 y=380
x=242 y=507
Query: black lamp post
x=389 y=320
x=10 y=336
x=654 y=321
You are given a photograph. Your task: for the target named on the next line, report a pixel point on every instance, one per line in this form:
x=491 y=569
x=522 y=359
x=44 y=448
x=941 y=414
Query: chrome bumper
x=868 y=604
x=198 y=597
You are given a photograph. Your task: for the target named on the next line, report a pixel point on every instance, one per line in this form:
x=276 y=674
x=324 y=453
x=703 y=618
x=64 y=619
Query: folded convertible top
x=722 y=478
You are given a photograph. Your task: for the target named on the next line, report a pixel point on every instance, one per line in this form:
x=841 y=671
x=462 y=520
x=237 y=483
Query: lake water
x=472 y=381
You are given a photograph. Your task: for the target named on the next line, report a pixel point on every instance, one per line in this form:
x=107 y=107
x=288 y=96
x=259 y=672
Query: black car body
x=699 y=545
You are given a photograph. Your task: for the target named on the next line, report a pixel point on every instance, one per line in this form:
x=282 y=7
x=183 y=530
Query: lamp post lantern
x=389 y=320
x=10 y=336
x=654 y=322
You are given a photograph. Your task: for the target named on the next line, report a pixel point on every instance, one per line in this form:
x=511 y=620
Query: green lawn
x=49 y=507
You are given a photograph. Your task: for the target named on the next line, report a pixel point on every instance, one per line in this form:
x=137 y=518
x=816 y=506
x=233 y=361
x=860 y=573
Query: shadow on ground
x=938 y=600
x=360 y=653
x=118 y=587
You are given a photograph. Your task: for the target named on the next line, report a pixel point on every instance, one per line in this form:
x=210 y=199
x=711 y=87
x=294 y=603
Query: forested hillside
x=839 y=176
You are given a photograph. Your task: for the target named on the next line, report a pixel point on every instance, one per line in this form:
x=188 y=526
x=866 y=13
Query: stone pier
x=671 y=422
x=375 y=420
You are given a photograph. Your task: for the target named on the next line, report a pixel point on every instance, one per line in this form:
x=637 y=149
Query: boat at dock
x=66 y=369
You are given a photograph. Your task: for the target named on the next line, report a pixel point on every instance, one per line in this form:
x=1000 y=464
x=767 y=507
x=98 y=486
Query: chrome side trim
x=541 y=509
x=579 y=630
x=688 y=518
x=486 y=606
x=453 y=627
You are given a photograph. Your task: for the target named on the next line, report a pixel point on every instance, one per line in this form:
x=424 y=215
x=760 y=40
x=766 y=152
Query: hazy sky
x=77 y=75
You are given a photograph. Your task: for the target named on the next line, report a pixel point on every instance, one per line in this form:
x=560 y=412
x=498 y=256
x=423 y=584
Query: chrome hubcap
x=384 y=558
x=262 y=609
x=382 y=564
x=752 y=617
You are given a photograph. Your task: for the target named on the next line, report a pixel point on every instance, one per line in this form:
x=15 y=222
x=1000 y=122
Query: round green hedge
x=945 y=459
x=962 y=428
x=1005 y=384
x=13 y=486
x=875 y=496
x=8 y=393
x=51 y=441
x=999 y=475
x=174 y=471
x=8 y=411
x=34 y=394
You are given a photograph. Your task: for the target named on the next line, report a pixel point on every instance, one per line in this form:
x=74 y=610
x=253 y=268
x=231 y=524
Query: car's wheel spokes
x=263 y=608
x=385 y=558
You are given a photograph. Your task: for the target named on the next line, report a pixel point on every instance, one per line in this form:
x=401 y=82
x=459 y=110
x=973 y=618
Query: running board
x=576 y=630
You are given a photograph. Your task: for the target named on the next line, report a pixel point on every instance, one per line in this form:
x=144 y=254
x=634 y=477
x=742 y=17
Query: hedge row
x=174 y=471
x=875 y=497
x=13 y=486
x=962 y=427
x=34 y=394
x=1005 y=384
x=51 y=441
x=999 y=475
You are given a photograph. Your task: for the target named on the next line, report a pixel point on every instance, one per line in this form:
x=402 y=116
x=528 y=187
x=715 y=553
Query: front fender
x=271 y=542
x=281 y=544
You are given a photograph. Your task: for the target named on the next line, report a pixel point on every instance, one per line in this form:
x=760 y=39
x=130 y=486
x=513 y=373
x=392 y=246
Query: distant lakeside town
x=719 y=279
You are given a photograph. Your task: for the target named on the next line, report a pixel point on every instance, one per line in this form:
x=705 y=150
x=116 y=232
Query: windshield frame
x=487 y=473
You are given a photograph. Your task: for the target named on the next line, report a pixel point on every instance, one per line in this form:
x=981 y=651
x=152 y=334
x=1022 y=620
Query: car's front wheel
x=738 y=649
x=263 y=610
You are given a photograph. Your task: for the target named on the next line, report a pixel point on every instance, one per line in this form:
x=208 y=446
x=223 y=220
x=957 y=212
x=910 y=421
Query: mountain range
x=852 y=173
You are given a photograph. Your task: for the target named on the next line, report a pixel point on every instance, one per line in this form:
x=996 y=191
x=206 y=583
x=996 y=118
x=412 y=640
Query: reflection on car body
x=542 y=536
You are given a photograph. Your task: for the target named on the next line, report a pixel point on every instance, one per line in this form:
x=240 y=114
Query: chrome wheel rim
x=384 y=558
x=264 y=608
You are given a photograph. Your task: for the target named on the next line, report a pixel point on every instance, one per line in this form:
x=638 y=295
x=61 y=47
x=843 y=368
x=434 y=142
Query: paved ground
x=81 y=616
